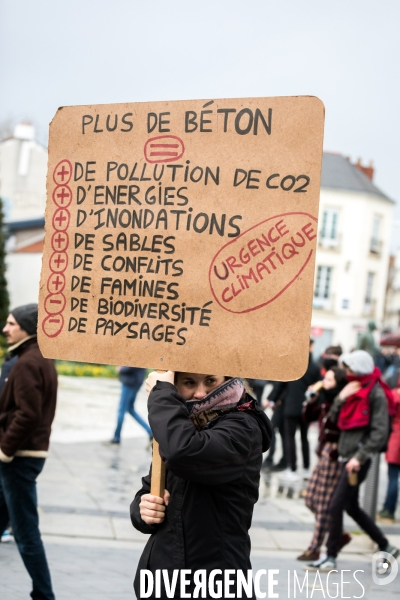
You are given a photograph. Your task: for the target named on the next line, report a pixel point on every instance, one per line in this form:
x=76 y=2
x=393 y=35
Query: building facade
x=392 y=308
x=24 y=260
x=23 y=167
x=354 y=229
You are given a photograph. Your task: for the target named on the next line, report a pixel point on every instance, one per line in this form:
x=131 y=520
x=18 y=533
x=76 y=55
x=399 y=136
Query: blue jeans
x=127 y=405
x=18 y=505
x=392 y=492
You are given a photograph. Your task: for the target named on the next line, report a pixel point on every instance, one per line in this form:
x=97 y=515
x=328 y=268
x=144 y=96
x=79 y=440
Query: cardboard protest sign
x=182 y=235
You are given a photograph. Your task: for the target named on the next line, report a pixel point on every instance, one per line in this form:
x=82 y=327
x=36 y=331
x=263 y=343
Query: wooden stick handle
x=157 y=472
x=157 y=486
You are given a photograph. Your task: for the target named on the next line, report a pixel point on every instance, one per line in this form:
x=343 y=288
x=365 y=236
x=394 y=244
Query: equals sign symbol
x=164 y=148
x=163 y=153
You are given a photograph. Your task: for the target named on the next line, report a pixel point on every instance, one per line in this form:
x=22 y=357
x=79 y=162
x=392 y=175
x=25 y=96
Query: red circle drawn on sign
x=58 y=262
x=62 y=196
x=56 y=283
x=163 y=149
x=59 y=241
x=63 y=172
x=54 y=304
x=52 y=325
x=62 y=217
x=233 y=242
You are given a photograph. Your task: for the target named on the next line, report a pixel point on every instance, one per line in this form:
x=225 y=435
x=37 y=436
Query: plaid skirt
x=320 y=488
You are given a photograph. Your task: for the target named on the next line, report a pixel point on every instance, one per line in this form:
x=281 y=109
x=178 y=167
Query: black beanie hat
x=26 y=317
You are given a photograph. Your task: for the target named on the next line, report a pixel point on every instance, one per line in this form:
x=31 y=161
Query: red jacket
x=393 y=451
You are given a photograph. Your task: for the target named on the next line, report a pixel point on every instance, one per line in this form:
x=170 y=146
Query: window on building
x=329 y=228
x=369 y=288
x=375 y=242
x=329 y=224
x=323 y=283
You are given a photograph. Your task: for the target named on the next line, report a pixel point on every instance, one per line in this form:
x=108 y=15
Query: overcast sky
x=347 y=52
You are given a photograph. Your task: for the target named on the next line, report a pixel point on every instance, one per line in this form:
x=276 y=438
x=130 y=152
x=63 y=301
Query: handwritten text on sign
x=182 y=234
x=271 y=255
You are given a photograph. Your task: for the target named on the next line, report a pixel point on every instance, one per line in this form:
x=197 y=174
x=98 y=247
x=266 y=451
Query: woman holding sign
x=211 y=435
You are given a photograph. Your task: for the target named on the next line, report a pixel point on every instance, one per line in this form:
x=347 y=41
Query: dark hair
x=335 y=350
x=246 y=384
x=340 y=375
x=180 y=372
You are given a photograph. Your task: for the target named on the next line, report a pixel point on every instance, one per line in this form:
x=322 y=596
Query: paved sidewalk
x=84 y=496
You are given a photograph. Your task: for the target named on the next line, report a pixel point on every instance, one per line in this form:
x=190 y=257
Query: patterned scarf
x=226 y=397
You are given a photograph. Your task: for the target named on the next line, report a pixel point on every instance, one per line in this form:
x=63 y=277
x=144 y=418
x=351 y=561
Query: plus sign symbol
x=63 y=172
x=58 y=262
x=62 y=196
x=59 y=241
x=54 y=304
x=56 y=283
x=52 y=325
x=61 y=219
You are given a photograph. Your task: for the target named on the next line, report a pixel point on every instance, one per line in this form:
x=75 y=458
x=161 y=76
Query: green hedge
x=77 y=369
x=3 y=352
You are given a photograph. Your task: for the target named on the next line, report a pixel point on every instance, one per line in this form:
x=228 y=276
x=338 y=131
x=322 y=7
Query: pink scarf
x=226 y=397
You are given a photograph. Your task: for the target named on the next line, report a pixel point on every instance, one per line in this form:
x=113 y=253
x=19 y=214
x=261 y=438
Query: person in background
x=293 y=393
x=393 y=460
x=27 y=408
x=383 y=359
x=367 y=340
x=257 y=387
x=9 y=362
x=326 y=474
x=390 y=366
x=278 y=425
x=361 y=411
x=396 y=357
x=131 y=379
x=330 y=358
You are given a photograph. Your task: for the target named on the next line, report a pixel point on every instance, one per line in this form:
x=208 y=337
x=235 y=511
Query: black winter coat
x=292 y=392
x=213 y=478
x=319 y=410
